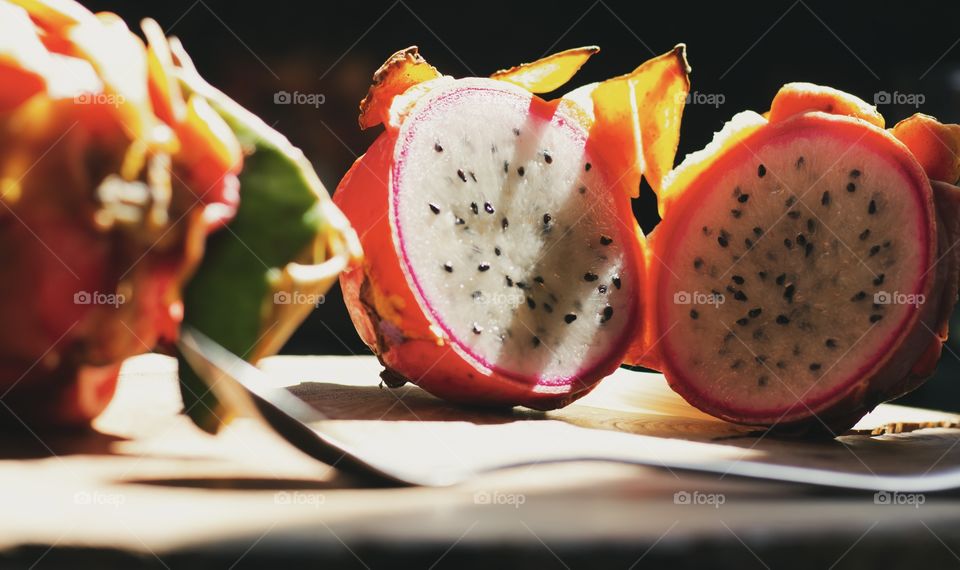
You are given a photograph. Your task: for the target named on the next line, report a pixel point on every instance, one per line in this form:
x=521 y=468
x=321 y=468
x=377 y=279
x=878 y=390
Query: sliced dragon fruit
x=503 y=264
x=805 y=265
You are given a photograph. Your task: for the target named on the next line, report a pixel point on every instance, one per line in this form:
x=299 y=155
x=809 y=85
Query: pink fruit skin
x=900 y=366
x=403 y=340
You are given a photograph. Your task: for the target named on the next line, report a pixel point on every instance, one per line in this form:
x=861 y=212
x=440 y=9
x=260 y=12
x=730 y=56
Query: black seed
x=736 y=213
x=793 y=215
x=783 y=320
x=831 y=343
x=875 y=318
x=583 y=189
x=548 y=307
x=762 y=381
x=602 y=289
x=488 y=207
x=801 y=239
x=762 y=275
x=781 y=364
x=589 y=276
x=742 y=198
x=807 y=250
x=434 y=208
x=886 y=243
x=605 y=240
x=791 y=201
x=474 y=208
x=787 y=243
x=520 y=170
x=705 y=230
x=506 y=166
x=461 y=175
x=546 y=219
x=740 y=296
x=781 y=278
x=448 y=267
x=748 y=242
x=731 y=289
x=522 y=285
x=789 y=291
x=586 y=167
x=872 y=208
x=743 y=321
x=811 y=225
x=616 y=282
x=504 y=223
x=864 y=234
x=483 y=267
x=473 y=176
x=536 y=341
x=607 y=314
x=754 y=313
x=693 y=314
x=879 y=279
x=760 y=358
x=459 y=221
x=758 y=334
x=736 y=364
x=570 y=317
x=814 y=366
x=737 y=279
x=722 y=240
x=476 y=294
x=437 y=147
x=796 y=350
x=761 y=171
x=874 y=250
x=547 y=158
x=859 y=296
x=516 y=132
x=800 y=162
x=854 y=173
x=697 y=263
x=496 y=250
x=493 y=149
x=538 y=279
x=531 y=303
x=509 y=281
x=851 y=187
x=477 y=329
x=825 y=198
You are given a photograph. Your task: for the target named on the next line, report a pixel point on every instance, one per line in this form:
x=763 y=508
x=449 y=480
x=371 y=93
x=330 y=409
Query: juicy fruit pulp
x=502 y=259
x=799 y=283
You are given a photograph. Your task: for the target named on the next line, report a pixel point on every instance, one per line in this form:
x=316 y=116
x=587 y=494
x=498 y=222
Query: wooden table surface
x=147 y=489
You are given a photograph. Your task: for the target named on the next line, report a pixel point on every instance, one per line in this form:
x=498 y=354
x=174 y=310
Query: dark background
x=740 y=53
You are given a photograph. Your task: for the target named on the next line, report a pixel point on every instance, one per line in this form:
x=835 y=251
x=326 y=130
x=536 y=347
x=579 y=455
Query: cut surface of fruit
x=812 y=239
x=513 y=242
x=804 y=268
x=502 y=262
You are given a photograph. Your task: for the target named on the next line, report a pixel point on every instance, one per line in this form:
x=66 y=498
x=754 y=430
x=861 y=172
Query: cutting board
x=631 y=416
x=147 y=488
